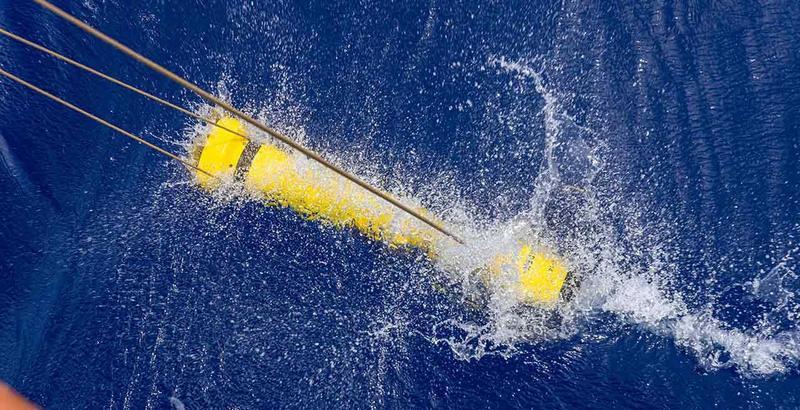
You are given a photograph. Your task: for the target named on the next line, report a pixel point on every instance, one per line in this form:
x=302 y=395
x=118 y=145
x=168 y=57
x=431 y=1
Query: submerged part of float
x=286 y=179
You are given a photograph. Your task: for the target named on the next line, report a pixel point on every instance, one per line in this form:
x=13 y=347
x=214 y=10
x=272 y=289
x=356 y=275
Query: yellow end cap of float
x=542 y=279
x=221 y=151
x=538 y=277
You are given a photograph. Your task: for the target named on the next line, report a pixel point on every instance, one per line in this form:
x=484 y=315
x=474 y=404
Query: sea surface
x=653 y=144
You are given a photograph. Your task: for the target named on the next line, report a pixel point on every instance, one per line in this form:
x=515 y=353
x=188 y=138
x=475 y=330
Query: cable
x=114 y=80
x=102 y=121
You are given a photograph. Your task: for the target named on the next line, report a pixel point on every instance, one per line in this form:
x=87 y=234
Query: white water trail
x=628 y=275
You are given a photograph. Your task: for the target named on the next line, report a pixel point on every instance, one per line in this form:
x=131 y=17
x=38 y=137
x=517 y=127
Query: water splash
x=629 y=274
x=622 y=259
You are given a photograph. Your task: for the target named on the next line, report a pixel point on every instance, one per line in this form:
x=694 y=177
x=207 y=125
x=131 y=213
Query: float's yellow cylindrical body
x=314 y=191
x=318 y=193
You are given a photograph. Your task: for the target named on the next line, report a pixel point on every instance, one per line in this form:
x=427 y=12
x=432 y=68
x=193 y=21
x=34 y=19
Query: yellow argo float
x=286 y=179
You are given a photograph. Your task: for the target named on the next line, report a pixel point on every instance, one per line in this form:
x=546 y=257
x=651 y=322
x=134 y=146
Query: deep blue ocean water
x=654 y=144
